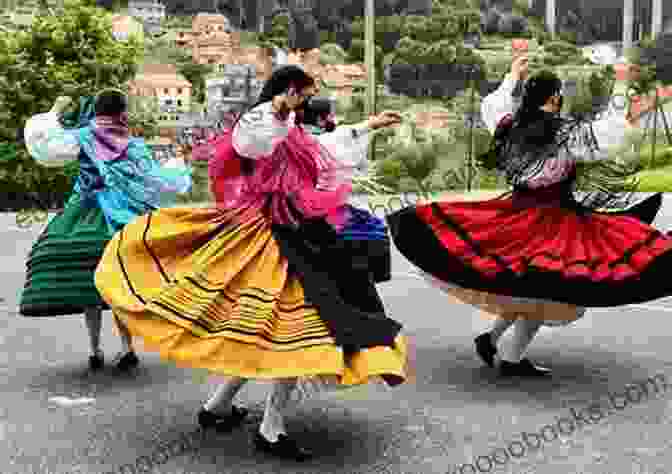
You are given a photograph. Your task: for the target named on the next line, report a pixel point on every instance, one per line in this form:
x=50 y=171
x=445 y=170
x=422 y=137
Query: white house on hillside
x=150 y=12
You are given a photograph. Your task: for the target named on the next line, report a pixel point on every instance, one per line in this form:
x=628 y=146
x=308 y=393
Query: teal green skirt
x=62 y=263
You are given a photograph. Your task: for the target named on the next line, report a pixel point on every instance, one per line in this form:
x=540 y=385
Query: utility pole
x=472 y=117
x=370 y=59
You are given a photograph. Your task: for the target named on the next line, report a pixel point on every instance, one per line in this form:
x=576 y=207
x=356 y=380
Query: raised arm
x=259 y=131
x=506 y=98
x=47 y=141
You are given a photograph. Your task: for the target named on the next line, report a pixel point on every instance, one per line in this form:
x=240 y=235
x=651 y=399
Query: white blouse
x=258 y=133
x=496 y=105
x=48 y=142
x=349 y=145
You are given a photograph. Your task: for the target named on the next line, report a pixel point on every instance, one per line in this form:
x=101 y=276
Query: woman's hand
x=520 y=67
x=280 y=105
x=384 y=119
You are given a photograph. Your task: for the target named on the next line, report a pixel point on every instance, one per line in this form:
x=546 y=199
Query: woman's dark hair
x=528 y=125
x=279 y=82
x=538 y=90
x=317 y=112
x=111 y=103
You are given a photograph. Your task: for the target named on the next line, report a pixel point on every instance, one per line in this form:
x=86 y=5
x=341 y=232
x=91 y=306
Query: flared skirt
x=207 y=292
x=62 y=262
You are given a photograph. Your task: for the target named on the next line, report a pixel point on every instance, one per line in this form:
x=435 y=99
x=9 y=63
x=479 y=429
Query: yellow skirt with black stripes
x=209 y=293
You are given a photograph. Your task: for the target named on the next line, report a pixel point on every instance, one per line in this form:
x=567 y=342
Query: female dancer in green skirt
x=118 y=180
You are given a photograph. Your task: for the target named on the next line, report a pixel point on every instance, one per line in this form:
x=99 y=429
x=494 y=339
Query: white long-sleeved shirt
x=259 y=132
x=48 y=142
x=349 y=146
x=501 y=102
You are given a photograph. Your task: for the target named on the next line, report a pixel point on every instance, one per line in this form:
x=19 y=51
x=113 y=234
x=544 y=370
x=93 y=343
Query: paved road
x=454 y=412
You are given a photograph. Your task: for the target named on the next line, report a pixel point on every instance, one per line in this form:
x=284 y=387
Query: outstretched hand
x=384 y=119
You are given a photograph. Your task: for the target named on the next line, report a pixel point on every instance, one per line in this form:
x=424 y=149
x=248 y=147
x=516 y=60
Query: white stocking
x=502 y=323
x=220 y=401
x=94 y=322
x=524 y=331
x=277 y=402
x=126 y=339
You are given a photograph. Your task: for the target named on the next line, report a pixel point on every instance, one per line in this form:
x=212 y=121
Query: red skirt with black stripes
x=539 y=245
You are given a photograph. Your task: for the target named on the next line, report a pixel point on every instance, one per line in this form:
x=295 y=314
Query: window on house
x=179 y=102
x=179 y=90
x=165 y=91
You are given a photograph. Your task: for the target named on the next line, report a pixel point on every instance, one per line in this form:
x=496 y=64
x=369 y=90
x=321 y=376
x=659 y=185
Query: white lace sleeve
x=48 y=142
x=349 y=145
x=609 y=133
x=501 y=102
x=258 y=132
x=590 y=143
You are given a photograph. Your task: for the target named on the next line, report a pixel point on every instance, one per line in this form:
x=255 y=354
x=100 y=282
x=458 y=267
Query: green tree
x=416 y=39
x=177 y=22
x=558 y=53
x=332 y=53
x=278 y=36
x=142 y=117
x=592 y=94
x=73 y=54
x=196 y=74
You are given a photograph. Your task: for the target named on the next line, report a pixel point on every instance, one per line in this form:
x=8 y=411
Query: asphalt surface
x=455 y=411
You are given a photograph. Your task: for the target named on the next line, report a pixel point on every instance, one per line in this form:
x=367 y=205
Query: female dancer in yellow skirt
x=258 y=287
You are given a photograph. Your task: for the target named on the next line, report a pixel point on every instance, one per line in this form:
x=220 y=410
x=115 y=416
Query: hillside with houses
x=196 y=72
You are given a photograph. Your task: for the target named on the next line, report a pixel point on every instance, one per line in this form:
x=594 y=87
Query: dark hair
x=111 y=103
x=316 y=112
x=528 y=124
x=279 y=82
x=538 y=90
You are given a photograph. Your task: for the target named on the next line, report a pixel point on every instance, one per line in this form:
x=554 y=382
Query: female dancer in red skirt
x=539 y=254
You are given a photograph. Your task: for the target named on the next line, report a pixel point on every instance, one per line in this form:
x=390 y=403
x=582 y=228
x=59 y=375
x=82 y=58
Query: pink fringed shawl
x=297 y=176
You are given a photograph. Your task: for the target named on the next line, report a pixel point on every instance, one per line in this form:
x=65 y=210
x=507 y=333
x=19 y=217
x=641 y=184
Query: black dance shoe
x=524 y=368
x=96 y=362
x=486 y=349
x=128 y=361
x=222 y=423
x=284 y=447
